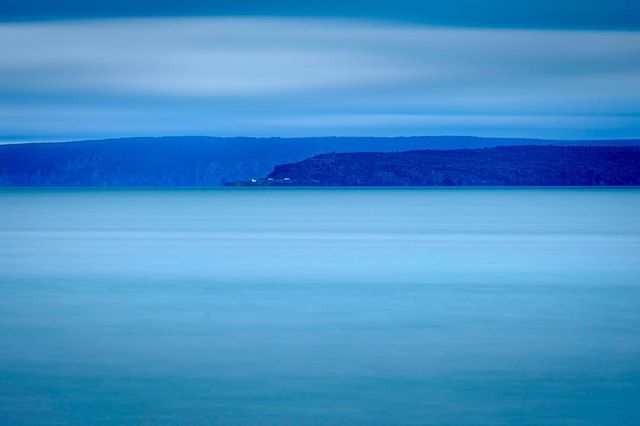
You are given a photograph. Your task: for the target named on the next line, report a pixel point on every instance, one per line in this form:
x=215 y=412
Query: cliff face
x=204 y=161
x=517 y=165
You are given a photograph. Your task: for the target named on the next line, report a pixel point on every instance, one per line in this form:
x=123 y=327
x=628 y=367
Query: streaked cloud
x=268 y=76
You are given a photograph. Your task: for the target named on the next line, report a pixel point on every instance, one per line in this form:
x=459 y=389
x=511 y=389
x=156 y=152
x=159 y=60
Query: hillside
x=200 y=161
x=517 y=165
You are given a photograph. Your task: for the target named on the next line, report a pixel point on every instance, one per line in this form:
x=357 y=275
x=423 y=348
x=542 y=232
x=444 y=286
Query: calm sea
x=320 y=307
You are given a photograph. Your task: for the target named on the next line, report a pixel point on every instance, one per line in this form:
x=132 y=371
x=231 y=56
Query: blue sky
x=561 y=69
x=588 y=14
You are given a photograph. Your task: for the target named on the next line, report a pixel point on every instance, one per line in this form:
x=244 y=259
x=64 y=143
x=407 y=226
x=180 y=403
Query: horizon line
x=99 y=139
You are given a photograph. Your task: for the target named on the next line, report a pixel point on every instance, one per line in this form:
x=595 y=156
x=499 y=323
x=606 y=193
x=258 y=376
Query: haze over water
x=348 y=306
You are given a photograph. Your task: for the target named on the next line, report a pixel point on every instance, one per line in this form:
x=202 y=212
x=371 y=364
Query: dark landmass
x=501 y=166
x=207 y=161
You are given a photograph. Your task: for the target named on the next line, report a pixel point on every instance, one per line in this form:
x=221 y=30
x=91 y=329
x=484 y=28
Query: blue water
x=323 y=307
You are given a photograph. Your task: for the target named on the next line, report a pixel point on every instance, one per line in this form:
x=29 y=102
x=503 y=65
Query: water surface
x=315 y=306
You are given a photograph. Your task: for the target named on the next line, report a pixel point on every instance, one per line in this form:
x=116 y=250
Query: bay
x=320 y=306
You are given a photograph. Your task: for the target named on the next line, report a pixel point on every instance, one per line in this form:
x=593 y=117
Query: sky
x=547 y=69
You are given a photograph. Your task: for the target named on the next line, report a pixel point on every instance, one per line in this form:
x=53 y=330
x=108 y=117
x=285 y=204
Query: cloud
x=269 y=76
x=194 y=57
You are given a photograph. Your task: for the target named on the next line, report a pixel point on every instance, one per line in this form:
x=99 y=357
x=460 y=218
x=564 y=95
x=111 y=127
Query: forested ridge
x=515 y=165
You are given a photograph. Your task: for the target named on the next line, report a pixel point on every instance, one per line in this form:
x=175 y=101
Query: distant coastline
x=533 y=165
x=193 y=161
